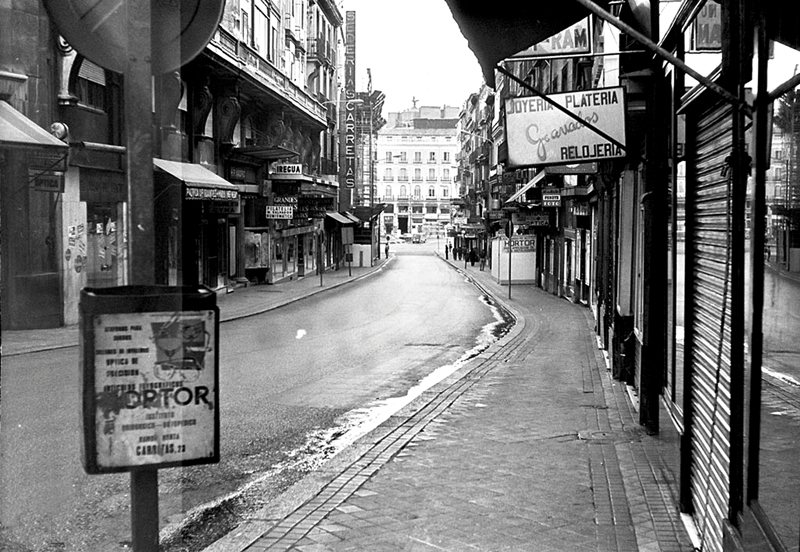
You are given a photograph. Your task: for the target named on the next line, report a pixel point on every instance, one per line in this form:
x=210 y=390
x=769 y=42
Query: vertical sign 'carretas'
x=349 y=169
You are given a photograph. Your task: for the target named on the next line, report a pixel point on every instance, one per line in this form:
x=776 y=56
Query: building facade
x=687 y=240
x=245 y=147
x=416 y=169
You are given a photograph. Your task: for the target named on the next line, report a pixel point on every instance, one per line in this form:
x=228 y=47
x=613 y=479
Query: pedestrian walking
x=483 y=258
x=387 y=249
x=473 y=256
x=446 y=251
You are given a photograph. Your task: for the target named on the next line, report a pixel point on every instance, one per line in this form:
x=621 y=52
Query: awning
x=201 y=183
x=497 y=30
x=539 y=176
x=338 y=217
x=265 y=153
x=17 y=131
x=352 y=217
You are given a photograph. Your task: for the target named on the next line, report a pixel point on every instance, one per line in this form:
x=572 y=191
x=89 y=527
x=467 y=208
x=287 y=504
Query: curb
x=359 y=461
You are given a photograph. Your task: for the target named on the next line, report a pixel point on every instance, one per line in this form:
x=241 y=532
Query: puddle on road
x=323 y=444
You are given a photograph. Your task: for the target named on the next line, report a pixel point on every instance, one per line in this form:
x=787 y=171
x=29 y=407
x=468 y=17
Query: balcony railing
x=263 y=71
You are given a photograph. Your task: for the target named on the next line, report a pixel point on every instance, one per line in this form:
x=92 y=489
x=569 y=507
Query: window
x=403 y=157
x=445 y=192
x=431 y=174
x=417 y=157
x=417 y=209
x=432 y=157
x=430 y=209
x=431 y=191
x=261 y=33
x=445 y=157
x=417 y=174
x=417 y=191
x=388 y=156
x=403 y=192
x=388 y=191
x=387 y=174
x=273 y=41
x=403 y=174
x=445 y=174
x=778 y=154
x=777 y=191
x=91 y=85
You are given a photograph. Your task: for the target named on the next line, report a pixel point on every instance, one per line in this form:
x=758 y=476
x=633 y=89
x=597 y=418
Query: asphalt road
x=296 y=385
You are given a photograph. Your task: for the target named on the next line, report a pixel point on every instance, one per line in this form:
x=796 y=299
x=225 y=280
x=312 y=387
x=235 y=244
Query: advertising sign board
x=540 y=134
x=551 y=200
x=572 y=41
x=520 y=244
x=284 y=212
x=288 y=168
x=150 y=378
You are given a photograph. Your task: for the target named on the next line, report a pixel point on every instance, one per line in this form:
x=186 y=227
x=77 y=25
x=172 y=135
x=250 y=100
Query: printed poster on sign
x=155 y=389
x=539 y=133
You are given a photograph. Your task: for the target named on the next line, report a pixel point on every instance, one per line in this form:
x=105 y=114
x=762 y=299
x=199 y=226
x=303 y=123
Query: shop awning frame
x=340 y=218
x=521 y=192
x=200 y=182
x=265 y=153
x=17 y=131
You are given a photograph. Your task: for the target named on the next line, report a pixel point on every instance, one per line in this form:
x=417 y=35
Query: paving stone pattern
x=532 y=448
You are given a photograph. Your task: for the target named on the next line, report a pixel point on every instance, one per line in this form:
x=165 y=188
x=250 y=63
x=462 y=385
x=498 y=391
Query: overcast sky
x=415 y=50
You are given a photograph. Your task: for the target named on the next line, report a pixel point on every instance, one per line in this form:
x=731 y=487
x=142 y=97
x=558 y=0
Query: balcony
x=320 y=49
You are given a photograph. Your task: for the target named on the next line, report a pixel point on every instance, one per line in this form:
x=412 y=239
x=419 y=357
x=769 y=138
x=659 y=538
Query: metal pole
x=141 y=234
x=510 y=230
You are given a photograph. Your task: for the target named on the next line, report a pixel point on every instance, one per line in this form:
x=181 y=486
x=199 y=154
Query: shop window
x=101 y=244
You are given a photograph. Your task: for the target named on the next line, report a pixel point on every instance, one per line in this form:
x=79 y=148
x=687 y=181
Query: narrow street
x=297 y=385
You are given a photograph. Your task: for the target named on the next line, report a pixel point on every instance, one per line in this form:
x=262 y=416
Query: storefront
x=299 y=203
x=32 y=164
x=196 y=213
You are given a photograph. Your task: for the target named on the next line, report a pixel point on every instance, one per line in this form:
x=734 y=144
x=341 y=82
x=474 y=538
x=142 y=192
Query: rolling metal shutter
x=709 y=216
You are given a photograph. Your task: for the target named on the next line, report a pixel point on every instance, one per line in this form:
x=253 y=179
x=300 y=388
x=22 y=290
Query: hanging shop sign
x=707 y=29
x=46 y=181
x=538 y=133
x=288 y=168
x=285 y=212
x=531 y=219
x=551 y=200
x=150 y=377
x=572 y=41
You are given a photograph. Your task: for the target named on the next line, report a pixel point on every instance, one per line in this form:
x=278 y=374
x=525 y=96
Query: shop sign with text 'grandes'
x=538 y=133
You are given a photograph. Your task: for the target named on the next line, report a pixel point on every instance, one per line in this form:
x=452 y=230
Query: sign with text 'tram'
x=538 y=133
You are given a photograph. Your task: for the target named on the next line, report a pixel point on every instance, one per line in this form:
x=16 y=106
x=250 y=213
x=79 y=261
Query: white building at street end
x=415 y=170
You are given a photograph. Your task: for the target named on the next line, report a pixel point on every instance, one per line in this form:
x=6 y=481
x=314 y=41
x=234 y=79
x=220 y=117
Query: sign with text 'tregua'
x=538 y=133
x=150 y=377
